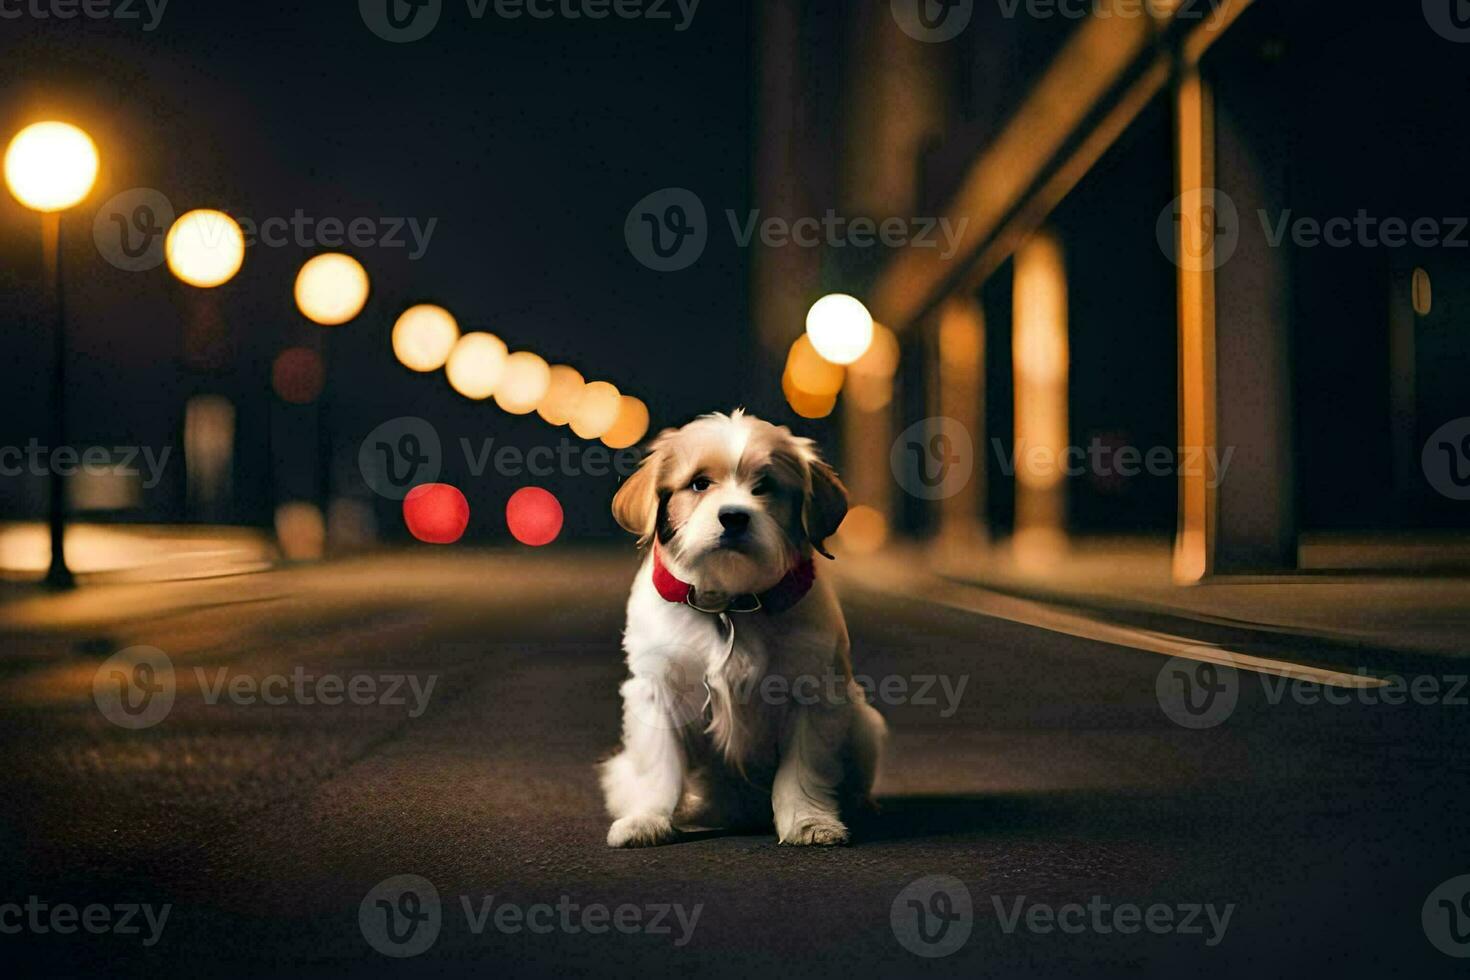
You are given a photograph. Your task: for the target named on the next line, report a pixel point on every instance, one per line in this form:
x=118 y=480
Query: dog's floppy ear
x=635 y=505
x=826 y=504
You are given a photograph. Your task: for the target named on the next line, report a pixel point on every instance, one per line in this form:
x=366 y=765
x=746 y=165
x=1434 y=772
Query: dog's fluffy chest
x=730 y=679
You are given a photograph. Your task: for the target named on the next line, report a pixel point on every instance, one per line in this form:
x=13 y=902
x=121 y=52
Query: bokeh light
x=597 y=410
x=880 y=360
x=331 y=289
x=205 y=248
x=840 y=326
x=476 y=364
x=863 y=530
x=534 y=516
x=297 y=375
x=424 y=336
x=811 y=372
x=436 y=513
x=631 y=424
x=806 y=405
x=562 y=392
x=523 y=384
x=49 y=166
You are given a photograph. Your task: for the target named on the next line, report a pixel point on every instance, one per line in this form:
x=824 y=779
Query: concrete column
x=962 y=528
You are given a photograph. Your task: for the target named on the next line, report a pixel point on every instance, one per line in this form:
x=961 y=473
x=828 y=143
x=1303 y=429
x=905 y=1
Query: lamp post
x=331 y=289
x=49 y=167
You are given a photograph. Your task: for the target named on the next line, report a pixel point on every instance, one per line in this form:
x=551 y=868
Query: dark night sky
x=528 y=140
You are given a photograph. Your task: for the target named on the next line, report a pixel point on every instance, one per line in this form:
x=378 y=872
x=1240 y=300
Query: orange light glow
x=810 y=372
x=597 y=410
x=50 y=166
x=805 y=405
x=863 y=530
x=423 y=337
x=562 y=393
x=205 y=248
x=631 y=424
x=476 y=364
x=523 y=384
x=331 y=289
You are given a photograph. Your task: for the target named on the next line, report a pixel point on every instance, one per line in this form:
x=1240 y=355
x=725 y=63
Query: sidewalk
x=1378 y=594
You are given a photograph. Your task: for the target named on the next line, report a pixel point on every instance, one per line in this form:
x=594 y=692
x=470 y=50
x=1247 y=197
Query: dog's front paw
x=819 y=831
x=640 y=830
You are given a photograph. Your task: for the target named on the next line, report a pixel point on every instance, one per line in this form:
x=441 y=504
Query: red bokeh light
x=436 y=513
x=534 y=516
x=297 y=375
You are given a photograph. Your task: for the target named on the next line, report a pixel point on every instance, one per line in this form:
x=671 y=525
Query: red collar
x=777 y=599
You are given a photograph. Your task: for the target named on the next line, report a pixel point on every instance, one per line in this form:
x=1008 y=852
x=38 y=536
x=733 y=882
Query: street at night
x=729 y=488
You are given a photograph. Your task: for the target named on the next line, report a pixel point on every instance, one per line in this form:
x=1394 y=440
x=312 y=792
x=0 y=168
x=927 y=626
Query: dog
x=740 y=708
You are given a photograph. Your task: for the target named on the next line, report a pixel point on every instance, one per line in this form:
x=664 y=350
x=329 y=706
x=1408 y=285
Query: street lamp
x=205 y=248
x=49 y=167
x=840 y=326
x=331 y=289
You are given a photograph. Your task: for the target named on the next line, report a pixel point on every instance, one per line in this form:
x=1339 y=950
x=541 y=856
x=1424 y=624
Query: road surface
x=1043 y=814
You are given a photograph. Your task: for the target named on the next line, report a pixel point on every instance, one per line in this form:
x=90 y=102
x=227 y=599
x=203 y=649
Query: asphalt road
x=1088 y=833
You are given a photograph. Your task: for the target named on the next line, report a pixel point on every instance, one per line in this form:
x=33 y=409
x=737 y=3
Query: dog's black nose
x=734 y=519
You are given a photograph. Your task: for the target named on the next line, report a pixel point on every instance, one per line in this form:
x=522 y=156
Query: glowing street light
x=423 y=337
x=630 y=426
x=205 y=248
x=840 y=326
x=49 y=167
x=562 y=393
x=597 y=410
x=476 y=364
x=523 y=384
x=331 y=289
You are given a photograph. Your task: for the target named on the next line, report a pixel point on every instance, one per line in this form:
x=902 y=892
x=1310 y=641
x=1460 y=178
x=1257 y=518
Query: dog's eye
x=700 y=484
x=763 y=486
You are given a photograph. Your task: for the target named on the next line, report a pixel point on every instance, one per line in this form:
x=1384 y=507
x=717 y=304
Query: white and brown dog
x=741 y=705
